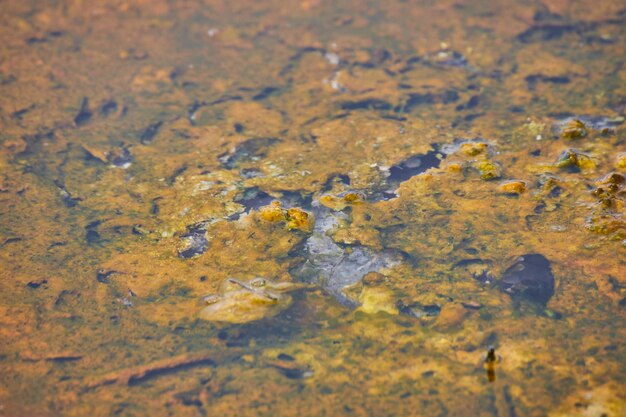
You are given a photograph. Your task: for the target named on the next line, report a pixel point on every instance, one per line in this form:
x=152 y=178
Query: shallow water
x=451 y=177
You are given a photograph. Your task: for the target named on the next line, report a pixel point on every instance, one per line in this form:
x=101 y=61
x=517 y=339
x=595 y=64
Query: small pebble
x=512 y=187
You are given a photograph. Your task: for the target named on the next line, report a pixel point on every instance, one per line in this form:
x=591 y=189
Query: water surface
x=414 y=181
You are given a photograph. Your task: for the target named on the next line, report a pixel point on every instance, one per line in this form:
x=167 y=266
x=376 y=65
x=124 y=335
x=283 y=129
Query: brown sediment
x=407 y=152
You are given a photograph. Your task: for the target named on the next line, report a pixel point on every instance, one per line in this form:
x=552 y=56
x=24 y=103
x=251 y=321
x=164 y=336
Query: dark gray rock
x=530 y=277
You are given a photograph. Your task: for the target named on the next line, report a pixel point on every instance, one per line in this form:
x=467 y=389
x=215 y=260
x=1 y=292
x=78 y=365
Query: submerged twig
x=262 y=293
x=137 y=374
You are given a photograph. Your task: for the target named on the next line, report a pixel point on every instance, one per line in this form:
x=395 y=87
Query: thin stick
x=136 y=374
x=262 y=293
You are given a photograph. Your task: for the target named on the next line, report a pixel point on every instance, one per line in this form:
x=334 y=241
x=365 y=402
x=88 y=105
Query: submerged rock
x=376 y=299
x=120 y=157
x=149 y=133
x=84 y=114
x=253 y=199
x=530 y=277
x=343 y=200
x=293 y=218
x=242 y=301
x=405 y=170
x=367 y=104
x=117 y=157
x=450 y=316
x=194 y=241
x=577 y=127
x=448 y=58
x=573 y=160
x=620 y=161
x=513 y=187
x=479 y=269
x=250 y=150
x=473 y=155
x=574 y=129
x=299 y=219
x=608 y=215
x=418 y=310
x=611 y=192
x=489 y=170
x=413 y=166
x=335 y=267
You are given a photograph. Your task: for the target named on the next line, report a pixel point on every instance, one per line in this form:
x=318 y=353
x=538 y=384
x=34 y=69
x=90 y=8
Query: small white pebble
x=332 y=58
x=212 y=32
x=125 y=302
x=336 y=85
x=211 y=299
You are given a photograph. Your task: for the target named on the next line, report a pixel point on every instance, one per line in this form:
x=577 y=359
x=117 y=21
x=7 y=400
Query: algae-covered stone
x=243 y=301
x=572 y=159
x=373 y=279
x=574 y=129
x=424 y=311
x=471 y=155
x=367 y=176
x=611 y=192
x=579 y=127
x=489 y=170
x=335 y=267
x=340 y=202
x=474 y=148
x=300 y=219
x=353 y=197
x=451 y=316
x=377 y=299
x=613 y=179
x=621 y=162
x=273 y=213
x=294 y=218
x=194 y=241
x=512 y=187
x=607 y=224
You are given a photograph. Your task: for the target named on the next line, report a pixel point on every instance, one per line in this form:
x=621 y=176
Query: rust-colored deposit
x=293 y=208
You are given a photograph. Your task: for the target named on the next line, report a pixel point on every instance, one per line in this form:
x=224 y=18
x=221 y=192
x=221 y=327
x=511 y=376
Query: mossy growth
x=474 y=148
x=575 y=129
x=272 y=213
x=489 y=170
x=299 y=219
x=293 y=218
x=513 y=187
x=342 y=201
x=621 y=162
x=573 y=160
